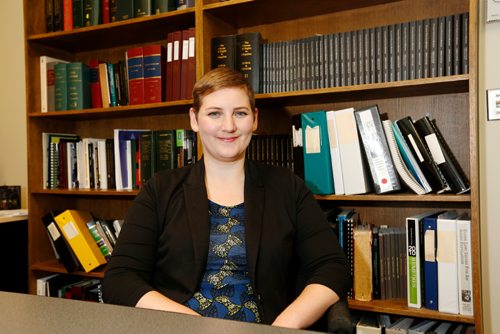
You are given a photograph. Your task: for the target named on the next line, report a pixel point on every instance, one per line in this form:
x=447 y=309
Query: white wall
x=13 y=154
x=489 y=141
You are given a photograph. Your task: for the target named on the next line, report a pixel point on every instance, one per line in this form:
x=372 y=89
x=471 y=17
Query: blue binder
x=430 y=263
x=317 y=162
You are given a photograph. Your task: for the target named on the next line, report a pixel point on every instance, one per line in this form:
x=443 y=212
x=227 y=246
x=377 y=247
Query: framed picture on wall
x=493 y=104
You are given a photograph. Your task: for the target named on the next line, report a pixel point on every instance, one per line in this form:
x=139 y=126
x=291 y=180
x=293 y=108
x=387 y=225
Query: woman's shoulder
x=270 y=174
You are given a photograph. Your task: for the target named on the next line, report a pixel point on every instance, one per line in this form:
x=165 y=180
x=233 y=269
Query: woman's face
x=225 y=123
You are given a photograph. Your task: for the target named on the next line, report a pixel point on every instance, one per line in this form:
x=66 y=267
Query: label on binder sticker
x=313 y=140
x=70 y=230
x=436 y=152
x=54 y=232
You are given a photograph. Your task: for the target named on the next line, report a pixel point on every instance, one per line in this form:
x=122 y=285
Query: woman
x=227 y=237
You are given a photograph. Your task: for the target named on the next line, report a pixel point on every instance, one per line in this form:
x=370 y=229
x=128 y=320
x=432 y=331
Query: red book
x=184 y=64
x=68 y=14
x=105 y=11
x=191 y=72
x=135 y=70
x=176 y=65
x=154 y=68
x=169 y=67
x=95 y=83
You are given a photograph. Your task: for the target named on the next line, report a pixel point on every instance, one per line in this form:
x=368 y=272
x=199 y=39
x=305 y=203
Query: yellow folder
x=73 y=224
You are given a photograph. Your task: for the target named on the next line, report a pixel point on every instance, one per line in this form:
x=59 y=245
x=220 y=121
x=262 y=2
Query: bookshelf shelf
x=450 y=100
x=53 y=266
x=399 y=307
x=398 y=197
x=164 y=108
x=116 y=34
x=87 y=192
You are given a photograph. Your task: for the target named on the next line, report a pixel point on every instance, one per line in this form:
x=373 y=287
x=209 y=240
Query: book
x=169 y=90
x=142 y=8
x=60 y=86
x=163 y=6
x=430 y=263
x=297 y=146
x=354 y=169
x=368 y=324
x=135 y=70
x=191 y=64
x=124 y=10
x=447 y=257
x=123 y=172
x=399 y=163
x=400 y=326
x=104 y=247
x=224 y=51
x=64 y=252
x=464 y=248
x=175 y=79
x=164 y=147
x=154 y=78
x=50 y=157
x=92 y=13
x=442 y=155
x=95 y=84
x=72 y=223
x=376 y=150
x=249 y=57
x=422 y=327
x=184 y=77
x=363 y=269
x=422 y=154
x=47 y=82
x=78 y=86
x=317 y=162
x=104 y=85
x=338 y=179
x=414 y=254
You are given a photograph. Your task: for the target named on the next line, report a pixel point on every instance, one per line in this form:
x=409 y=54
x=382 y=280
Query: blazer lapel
x=196 y=204
x=254 y=211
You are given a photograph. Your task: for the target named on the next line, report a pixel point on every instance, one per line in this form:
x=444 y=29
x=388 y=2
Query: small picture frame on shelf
x=493 y=104
x=10 y=197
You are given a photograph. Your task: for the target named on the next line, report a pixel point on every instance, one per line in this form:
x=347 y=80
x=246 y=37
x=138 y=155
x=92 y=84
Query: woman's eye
x=241 y=113
x=213 y=114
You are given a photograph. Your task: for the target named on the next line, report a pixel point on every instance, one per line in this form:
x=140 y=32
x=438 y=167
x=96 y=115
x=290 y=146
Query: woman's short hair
x=219 y=78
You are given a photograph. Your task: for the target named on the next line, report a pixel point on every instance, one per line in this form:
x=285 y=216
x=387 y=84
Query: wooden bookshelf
x=451 y=100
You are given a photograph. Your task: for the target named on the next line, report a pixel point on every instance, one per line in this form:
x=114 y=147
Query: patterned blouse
x=225 y=291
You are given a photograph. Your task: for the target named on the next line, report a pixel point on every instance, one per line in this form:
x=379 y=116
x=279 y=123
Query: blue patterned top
x=225 y=291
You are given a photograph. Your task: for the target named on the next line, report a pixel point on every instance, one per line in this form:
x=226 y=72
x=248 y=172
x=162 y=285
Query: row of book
x=64 y=15
x=352 y=151
x=275 y=150
x=147 y=74
x=124 y=162
x=404 y=51
x=69 y=287
x=370 y=323
x=428 y=262
x=79 y=240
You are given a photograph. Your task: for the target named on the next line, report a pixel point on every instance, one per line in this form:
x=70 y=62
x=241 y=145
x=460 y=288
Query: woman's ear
x=193 y=120
x=255 y=119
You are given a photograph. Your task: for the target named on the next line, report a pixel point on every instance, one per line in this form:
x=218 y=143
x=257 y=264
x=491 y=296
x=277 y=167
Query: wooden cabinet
x=451 y=100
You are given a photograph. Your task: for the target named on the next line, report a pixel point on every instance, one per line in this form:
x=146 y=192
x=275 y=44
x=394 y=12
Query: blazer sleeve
x=130 y=269
x=322 y=259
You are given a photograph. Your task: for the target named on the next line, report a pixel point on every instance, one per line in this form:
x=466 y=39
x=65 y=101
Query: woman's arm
x=307 y=308
x=156 y=301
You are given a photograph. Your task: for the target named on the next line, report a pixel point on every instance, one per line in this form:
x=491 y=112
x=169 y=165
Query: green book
x=142 y=8
x=165 y=149
x=92 y=13
x=163 y=6
x=147 y=157
x=61 y=86
x=78 y=13
x=78 y=86
x=124 y=10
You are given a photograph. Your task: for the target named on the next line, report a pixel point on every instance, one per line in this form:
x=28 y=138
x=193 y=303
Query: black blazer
x=164 y=242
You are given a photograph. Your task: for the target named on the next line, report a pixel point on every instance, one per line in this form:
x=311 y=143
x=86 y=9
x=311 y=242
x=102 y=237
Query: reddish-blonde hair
x=219 y=78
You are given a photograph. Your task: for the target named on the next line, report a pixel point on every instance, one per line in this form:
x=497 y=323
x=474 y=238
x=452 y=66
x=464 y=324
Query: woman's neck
x=225 y=181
